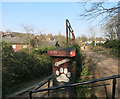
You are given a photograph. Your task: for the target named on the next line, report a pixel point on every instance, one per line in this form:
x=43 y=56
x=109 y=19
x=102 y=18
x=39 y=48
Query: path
x=32 y=85
x=38 y=94
x=103 y=66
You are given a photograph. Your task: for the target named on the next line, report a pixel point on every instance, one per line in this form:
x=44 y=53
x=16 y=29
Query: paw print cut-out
x=63 y=75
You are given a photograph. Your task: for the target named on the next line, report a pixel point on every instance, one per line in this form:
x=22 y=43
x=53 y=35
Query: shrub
x=93 y=43
x=78 y=61
x=112 y=44
x=22 y=66
x=110 y=47
x=82 y=69
x=42 y=50
x=99 y=44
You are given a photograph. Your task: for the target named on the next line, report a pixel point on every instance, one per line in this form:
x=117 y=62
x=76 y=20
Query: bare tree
x=8 y=31
x=111 y=29
x=29 y=30
x=97 y=9
x=92 y=33
x=60 y=38
x=83 y=38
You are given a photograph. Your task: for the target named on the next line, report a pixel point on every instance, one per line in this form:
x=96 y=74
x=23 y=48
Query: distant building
x=50 y=37
x=89 y=42
x=21 y=40
x=3 y=34
x=17 y=42
x=45 y=37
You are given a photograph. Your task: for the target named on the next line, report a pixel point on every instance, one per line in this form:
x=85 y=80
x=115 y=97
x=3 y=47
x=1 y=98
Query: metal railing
x=77 y=84
x=41 y=84
x=68 y=37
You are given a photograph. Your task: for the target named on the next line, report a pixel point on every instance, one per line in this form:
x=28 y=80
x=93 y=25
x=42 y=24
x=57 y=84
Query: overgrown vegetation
x=83 y=73
x=110 y=47
x=22 y=66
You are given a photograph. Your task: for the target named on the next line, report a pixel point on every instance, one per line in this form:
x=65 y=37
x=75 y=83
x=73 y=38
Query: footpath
x=24 y=92
x=103 y=66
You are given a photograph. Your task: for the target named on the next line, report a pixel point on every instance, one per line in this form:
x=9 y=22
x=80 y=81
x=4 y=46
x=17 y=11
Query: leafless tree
x=92 y=33
x=8 y=31
x=60 y=38
x=84 y=38
x=111 y=29
x=29 y=30
x=97 y=9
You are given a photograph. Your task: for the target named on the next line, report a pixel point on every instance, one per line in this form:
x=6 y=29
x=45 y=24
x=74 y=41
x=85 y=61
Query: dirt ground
x=103 y=66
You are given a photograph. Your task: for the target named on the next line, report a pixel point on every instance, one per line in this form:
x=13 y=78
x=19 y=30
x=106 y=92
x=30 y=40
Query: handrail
x=47 y=80
x=81 y=83
x=69 y=28
x=43 y=83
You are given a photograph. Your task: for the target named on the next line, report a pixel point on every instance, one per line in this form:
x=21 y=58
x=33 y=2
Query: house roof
x=16 y=39
x=47 y=43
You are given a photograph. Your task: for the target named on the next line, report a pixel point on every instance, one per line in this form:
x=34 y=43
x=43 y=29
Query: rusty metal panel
x=61 y=53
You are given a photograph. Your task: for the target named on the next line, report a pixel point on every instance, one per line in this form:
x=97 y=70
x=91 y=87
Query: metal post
x=30 y=94
x=48 y=86
x=73 y=38
x=69 y=34
x=113 y=88
x=67 y=31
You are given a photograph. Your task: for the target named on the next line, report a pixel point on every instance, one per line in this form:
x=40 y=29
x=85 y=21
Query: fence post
x=48 y=86
x=113 y=88
x=30 y=94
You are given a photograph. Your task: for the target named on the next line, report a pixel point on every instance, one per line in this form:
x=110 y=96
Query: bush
x=82 y=69
x=99 y=44
x=22 y=66
x=78 y=61
x=93 y=43
x=42 y=50
x=112 y=44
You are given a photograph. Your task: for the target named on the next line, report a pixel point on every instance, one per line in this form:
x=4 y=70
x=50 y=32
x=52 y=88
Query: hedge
x=22 y=66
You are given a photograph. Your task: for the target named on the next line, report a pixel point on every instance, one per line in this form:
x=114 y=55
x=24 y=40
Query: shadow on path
x=103 y=66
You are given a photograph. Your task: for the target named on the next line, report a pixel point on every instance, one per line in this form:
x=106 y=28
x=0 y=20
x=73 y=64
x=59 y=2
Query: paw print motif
x=63 y=75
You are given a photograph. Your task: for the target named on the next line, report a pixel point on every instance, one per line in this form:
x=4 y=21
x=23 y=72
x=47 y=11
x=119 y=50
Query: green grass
x=111 y=52
x=85 y=73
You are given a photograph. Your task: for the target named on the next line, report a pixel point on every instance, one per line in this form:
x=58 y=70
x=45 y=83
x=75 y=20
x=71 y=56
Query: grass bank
x=84 y=73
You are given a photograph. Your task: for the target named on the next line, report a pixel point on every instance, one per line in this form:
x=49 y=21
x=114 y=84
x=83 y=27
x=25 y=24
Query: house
x=3 y=33
x=21 y=40
x=89 y=42
x=17 y=42
x=45 y=37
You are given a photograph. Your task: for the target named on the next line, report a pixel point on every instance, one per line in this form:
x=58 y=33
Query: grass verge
x=84 y=73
